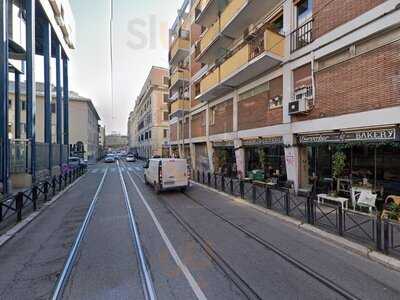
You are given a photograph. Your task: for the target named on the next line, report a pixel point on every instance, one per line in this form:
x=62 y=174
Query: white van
x=166 y=173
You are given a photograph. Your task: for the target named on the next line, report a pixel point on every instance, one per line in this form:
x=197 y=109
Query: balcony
x=179 y=50
x=180 y=104
x=16 y=31
x=237 y=16
x=179 y=78
x=253 y=59
x=207 y=12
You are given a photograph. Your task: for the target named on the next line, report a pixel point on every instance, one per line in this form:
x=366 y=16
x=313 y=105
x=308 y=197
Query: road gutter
x=313 y=231
x=4 y=238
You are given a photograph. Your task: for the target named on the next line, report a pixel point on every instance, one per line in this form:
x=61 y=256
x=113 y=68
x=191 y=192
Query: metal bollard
x=45 y=190
x=287 y=202
x=53 y=185
x=223 y=183
x=34 y=196
x=268 y=199
x=209 y=179
x=378 y=233
x=386 y=236
x=60 y=178
x=19 y=204
x=65 y=180
x=198 y=176
x=340 y=223
x=215 y=182
x=204 y=181
x=70 y=177
x=241 y=185
x=254 y=193
x=231 y=185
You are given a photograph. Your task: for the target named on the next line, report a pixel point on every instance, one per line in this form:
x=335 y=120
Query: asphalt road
x=191 y=247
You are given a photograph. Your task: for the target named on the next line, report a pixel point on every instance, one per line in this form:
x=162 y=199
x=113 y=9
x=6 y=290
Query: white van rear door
x=174 y=172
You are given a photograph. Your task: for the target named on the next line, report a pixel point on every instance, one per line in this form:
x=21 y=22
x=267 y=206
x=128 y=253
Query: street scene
x=200 y=149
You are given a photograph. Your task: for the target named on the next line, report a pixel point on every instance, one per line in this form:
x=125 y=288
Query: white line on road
x=71 y=257
x=146 y=278
x=185 y=270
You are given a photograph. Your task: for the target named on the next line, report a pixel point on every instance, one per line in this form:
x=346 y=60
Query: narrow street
x=197 y=245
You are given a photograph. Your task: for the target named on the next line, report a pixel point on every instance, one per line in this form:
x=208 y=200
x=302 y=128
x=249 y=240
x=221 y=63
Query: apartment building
x=148 y=122
x=84 y=127
x=287 y=84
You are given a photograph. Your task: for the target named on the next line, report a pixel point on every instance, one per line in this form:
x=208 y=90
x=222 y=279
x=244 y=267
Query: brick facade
x=199 y=124
x=254 y=112
x=332 y=14
x=223 y=122
x=366 y=82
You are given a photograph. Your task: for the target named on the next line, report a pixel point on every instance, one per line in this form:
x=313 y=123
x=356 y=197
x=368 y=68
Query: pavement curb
x=333 y=239
x=4 y=238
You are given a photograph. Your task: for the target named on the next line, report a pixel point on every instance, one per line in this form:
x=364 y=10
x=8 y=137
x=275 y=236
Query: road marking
x=94 y=171
x=145 y=274
x=185 y=270
x=138 y=168
x=71 y=257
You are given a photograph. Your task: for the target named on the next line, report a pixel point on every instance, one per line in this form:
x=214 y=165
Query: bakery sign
x=367 y=135
x=278 y=140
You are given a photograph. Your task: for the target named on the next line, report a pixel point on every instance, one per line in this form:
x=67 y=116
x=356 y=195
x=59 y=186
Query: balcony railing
x=178 y=44
x=302 y=36
x=231 y=10
x=209 y=36
x=210 y=80
x=180 y=105
x=179 y=74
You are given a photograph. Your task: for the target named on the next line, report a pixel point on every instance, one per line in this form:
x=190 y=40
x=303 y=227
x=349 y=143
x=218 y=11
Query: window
x=150 y=134
x=23 y=105
x=9 y=102
x=166 y=98
x=165 y=133
x=166 y=116
x=53 y=108
x=304 y=11
x=146 y=136
x=254 y=91
x=166 y=80
x=212 y=116
x=277 y=24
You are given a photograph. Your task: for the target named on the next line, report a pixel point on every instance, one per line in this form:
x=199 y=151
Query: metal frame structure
x=41 y=39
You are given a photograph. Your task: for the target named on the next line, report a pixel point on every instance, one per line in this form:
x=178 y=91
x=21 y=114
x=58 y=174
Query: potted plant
x=338 y=165
x=393 y=211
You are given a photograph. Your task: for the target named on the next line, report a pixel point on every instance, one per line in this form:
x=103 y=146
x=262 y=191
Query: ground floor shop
x=201 y=158
x=224 y=159
x=265 y=156
x=369 y=157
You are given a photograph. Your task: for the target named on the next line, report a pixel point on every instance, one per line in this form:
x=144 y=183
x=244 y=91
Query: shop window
x=165 y=133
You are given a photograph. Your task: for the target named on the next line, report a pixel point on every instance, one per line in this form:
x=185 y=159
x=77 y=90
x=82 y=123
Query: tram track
x=66 y=272
x=228 y=269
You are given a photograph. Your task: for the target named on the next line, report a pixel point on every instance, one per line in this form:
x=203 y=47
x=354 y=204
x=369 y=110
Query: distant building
x=148 y=122
x=116 y=141
x=83 y=127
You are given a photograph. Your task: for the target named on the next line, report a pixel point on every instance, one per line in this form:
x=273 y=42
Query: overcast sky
x=140 y=41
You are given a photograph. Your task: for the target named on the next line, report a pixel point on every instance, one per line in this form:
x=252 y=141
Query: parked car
x=109 y=159
x=74 y=161
x=130 y=158
x=166 y=173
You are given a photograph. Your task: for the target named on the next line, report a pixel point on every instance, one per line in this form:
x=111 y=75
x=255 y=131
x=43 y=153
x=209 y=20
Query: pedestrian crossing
x=115 y=170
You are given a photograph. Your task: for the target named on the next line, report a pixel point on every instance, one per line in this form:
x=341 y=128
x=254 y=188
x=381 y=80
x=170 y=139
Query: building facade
x=84 y=128
x=148 y=122
x=284 y=85
x=116 y=141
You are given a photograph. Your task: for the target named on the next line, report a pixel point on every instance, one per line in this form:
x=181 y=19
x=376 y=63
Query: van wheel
x=145 y=180
x=157 y=188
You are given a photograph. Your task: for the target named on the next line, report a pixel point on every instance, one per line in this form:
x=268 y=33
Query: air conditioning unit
x=303 y=101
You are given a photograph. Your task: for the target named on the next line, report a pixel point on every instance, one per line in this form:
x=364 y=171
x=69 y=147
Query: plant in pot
x=393 y=211
x=338 y=165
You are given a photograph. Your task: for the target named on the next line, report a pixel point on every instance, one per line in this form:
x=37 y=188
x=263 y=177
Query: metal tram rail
x=63 y=279
x=293 y=261
x=145 y=275
x=232 y=274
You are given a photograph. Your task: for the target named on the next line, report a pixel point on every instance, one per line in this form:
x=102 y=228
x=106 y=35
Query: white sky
x=140 y=41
